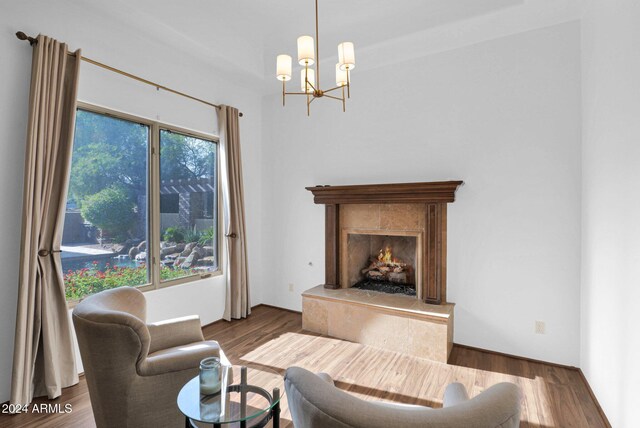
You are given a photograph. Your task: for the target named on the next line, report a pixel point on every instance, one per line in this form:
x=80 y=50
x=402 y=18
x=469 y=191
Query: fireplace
x=361 y=221
x=385 y=268
x=382 y=261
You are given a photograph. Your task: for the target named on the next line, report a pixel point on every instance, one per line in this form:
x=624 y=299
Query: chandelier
x=310 y=80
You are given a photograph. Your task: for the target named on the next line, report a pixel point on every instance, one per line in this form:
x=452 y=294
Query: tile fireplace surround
x=411 y=216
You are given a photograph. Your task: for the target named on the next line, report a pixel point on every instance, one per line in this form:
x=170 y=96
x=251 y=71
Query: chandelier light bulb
x=306 y=50
x=283 y=67
x=341 y=76
x=346 y=56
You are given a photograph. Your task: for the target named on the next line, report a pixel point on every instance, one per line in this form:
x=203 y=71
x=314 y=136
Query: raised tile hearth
x=389 y=321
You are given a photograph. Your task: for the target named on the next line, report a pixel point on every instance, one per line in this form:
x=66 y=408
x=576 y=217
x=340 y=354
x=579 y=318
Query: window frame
x=153 y=196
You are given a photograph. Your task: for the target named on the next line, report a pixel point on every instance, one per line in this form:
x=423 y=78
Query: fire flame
x=388 y=268
x=385 y=256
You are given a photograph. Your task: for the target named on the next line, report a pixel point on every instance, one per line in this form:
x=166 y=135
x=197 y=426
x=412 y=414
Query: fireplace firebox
x=382 y=262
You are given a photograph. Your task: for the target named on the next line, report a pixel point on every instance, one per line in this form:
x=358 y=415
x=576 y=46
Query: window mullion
x=154 y=213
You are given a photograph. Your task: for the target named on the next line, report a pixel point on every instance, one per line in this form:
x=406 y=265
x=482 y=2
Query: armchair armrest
x=178 y=358
x=455 y=394
x=174 y=332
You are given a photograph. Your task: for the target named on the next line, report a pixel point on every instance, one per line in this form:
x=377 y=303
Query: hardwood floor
x=553 y=396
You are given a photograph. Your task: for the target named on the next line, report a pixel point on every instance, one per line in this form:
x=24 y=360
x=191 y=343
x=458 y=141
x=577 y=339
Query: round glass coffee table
x=247 y=401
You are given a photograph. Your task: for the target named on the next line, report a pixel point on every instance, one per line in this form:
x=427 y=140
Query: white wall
x=502 y=115
x=610 y=345
x=103 y=39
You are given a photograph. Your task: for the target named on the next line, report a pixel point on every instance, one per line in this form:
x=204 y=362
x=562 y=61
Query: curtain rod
x=32 y=41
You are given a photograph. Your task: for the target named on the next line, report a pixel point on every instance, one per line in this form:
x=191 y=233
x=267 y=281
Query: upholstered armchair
x=315 y=402
x=135 y=370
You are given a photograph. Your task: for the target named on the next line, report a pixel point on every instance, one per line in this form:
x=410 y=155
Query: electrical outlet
x=540 y=327
x=291 y=287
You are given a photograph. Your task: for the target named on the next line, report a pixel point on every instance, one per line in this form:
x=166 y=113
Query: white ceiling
x=273 y=21
x=246 y=35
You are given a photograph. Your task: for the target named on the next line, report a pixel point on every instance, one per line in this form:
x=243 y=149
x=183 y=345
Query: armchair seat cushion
x=177 y=358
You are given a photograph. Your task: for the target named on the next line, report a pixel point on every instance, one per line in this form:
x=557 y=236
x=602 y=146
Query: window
x=142 y=205
x=188 y=171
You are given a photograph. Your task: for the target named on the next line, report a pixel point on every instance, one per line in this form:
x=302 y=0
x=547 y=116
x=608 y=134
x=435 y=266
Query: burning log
x=374 y=274
x=400 y=278
x=385 y=267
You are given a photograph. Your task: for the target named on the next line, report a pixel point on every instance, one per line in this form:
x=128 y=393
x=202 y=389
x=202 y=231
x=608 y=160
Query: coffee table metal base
x=243 y=389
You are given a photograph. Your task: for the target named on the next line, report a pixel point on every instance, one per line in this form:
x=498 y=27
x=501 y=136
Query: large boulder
x=188 y=249
x=168 y=250
x=191 y=260
x=172 y=249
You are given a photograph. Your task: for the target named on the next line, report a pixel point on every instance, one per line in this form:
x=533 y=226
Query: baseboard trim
x=595 y=400
x=224 y=320
x=603 y=416
x=276 y=307
x=503 y=354
x=252 y=308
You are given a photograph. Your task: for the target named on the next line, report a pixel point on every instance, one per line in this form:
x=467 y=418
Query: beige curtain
x=44 y=359
x=237 y=299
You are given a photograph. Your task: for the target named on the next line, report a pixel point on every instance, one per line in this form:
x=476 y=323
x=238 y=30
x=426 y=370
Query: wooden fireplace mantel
x=397 y=193
x=433 y=195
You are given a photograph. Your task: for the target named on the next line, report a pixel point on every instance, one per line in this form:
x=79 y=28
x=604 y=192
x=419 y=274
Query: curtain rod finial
x=22 y=36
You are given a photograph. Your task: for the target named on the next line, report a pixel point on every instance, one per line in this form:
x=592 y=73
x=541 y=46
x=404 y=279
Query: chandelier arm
x=306 y=88
x=333 y=89
x=295 y=93
x=331 y=96
x=310 y=84
x=309 y=101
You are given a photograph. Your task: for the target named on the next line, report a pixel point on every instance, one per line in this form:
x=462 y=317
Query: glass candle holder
x=210 y=376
